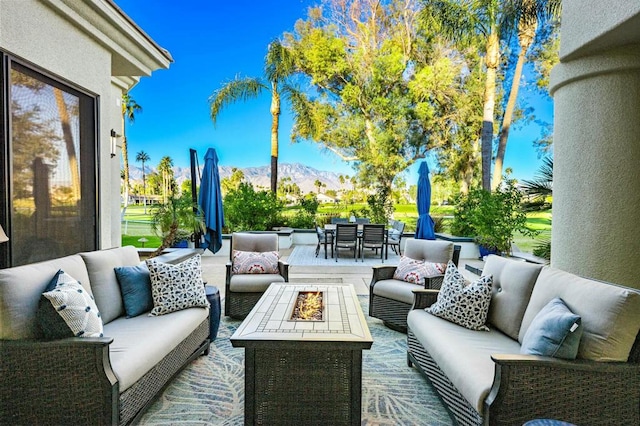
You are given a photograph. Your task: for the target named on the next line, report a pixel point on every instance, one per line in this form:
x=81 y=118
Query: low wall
x=469 y=249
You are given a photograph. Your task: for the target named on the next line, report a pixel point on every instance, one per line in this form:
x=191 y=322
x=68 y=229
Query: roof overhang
x=134 y=53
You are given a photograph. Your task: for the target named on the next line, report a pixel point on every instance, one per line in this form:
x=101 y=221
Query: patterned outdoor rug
x=305 y=255
x=210 y=391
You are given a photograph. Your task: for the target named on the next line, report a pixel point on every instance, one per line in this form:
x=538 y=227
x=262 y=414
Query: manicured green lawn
x=138 y=225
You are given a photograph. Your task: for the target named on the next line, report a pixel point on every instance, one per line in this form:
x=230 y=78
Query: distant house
x=66 y=65
x=325 y=199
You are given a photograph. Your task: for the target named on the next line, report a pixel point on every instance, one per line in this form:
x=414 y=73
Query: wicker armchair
x=390 y=300
x=242 y=291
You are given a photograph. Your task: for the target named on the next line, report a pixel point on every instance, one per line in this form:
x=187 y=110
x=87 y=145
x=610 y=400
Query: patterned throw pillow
x=176 y=287
x=414 y=271
x=252 y=262
x=74 y=305
x=461 y=302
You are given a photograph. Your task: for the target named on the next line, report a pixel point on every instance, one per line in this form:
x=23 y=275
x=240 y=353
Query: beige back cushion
x=104 y=283
x=20 y=290
x=512 y=286
x=253 y=242
x=430 y=250
x=610 y=314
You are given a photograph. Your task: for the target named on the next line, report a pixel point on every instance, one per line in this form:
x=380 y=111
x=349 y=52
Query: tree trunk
x=125 y=166
x=492 y=59
x=525 y=36
x=167 y=241
x=275 y=114
x=68 y=140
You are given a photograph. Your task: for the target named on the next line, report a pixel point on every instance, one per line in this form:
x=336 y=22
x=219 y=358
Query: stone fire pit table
x=303 y=371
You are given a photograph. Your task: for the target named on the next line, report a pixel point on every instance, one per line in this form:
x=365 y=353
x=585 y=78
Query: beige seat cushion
x=463 y=355
x=253 y=283
x=610 y=314
x=513 y=282
x=253 y=242
x=401 y=291
x=104 y=284
x=139 y=343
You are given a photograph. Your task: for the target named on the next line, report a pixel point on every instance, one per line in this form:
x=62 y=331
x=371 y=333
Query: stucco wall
x=596 y=189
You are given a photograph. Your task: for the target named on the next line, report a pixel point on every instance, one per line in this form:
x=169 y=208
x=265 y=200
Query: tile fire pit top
x=270 y=318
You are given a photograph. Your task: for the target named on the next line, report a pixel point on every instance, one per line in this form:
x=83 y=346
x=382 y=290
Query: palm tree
x=318 y=184
x=527 y=27
x=165 y=168
x=279 y=66
x=491 y=20
x=129 y=109
x=143 y=157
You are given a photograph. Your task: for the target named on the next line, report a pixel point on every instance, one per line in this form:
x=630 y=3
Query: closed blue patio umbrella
x=210 y=201
x=424 y=228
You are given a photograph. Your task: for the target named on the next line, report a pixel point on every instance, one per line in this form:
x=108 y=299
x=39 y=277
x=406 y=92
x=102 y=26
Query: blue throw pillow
x=555 y=332
x=135 y=285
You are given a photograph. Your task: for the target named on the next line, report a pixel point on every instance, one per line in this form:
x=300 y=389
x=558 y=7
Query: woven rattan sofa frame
x=393 y=312
x=76 y=372
x=238 y=304
x=529 y=387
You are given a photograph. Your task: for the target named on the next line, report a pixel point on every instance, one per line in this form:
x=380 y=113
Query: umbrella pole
x=193 y=155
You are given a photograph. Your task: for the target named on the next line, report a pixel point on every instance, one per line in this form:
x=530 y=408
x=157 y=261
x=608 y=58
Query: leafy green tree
x=143 y=157
x=232 y=182
x=531 y=15
x=278 y=68
x=463 y=21
x=246 y=209
x=378 y=88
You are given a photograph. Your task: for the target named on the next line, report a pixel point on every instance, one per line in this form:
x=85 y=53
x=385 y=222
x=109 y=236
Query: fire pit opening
x=308 y=306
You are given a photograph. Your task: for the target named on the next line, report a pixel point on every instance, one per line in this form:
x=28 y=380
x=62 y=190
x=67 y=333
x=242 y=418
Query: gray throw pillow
x=555 y=331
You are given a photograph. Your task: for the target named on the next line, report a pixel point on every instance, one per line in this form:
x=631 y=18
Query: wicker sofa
x=483 y=378
x=107 y=380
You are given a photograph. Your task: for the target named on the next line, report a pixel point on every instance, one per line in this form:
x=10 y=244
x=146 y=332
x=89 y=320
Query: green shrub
x=302 y=220
x=491 y=217
x=246 y=209
x=309 y=203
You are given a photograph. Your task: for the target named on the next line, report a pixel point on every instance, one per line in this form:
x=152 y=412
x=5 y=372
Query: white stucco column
x=596 y=192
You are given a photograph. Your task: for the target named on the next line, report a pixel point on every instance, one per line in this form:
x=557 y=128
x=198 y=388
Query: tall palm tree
x=143 y=157
x=279 y=66
x=129 y=110
x=491 y=20
x=165 y=168
x=530 y=16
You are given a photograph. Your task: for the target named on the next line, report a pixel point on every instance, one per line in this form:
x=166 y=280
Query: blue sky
x=212 y=41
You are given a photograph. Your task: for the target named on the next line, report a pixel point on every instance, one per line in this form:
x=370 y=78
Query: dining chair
x=335 y=220
x=362 y=220
x=324 y=237
x=346 y=238
x=373 y=239
x=394 y=236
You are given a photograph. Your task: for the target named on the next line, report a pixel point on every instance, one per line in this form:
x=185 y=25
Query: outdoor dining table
x=331 y=228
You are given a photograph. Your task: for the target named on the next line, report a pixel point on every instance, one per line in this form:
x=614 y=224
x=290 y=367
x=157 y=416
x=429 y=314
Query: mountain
x=301 y=175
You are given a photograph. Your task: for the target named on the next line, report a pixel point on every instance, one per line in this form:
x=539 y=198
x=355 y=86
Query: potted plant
x=491 y=217
x=176 y=220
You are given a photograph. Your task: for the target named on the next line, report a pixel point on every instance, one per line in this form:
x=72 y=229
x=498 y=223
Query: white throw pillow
x=461 y=302
x=176 y=287
x=75 y=305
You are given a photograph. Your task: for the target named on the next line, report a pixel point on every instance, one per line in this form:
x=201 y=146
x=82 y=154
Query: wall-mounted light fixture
x=3 y=236
x=113 y=139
